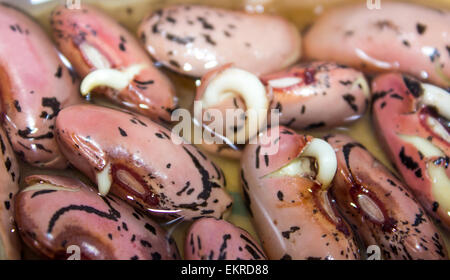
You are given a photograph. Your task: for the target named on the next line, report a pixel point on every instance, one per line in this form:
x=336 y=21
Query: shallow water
x=129 y=13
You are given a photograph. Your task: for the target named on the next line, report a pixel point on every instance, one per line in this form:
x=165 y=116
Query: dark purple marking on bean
x=205 y=23
x=42 y=148
x=435 y=206
x=171 y=20
x=17 y=106
x=421 y=28
x=350 y=99
x=84 y=208
x=209 y=40
x=59 y=72
x=396 y=96
x=223 y=247
x=174 y=63
x=346 y=83
x=2 y=145
x=150 y=228
x=156 y=256
x=188 y=183
x=122 y=132
x=413 y=86
x=144 y=83
x=409 y=163
x=280 y=195
x=287 y=234
x=26 y=134
x=419 y=219
x=207 y=184
x=179 y=40
x=315 y=125
x=145 y=243
x=290 y=122
x=258 y=149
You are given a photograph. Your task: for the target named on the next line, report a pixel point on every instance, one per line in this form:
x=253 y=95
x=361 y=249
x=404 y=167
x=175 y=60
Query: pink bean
x=140 y=162
x=9 y=186
x=35 y=86
x=101 y=227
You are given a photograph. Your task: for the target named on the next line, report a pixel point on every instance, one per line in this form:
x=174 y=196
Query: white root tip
x=113 y=78
x=325 y=159
x=232 y=82
x=104 y=180
x=438 y=98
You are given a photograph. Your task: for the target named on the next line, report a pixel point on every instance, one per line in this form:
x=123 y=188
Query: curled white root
x=437 y=98
x=237 y=82
x=104 y=180
x=113 y=78
x=298 y=167
x=326 y=161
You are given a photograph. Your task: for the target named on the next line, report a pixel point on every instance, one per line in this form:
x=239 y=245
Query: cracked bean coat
x=78 y=31
x=399 y=225
x=290 y=213
x=146 y=166
x=397 y=111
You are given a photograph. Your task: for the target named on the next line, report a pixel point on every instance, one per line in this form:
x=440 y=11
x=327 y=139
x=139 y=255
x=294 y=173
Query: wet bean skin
x=289 y=211
x=103 y=228
x=193 y=39
x=213 y=239
x=400 y=225
x=415 y=43
x=10 y=245
x=76 y=31
x=147 y=166
x=35 y=85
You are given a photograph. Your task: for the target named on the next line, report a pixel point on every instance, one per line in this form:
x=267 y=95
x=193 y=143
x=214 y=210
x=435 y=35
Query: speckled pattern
x=145 y=163
x=35 y=86
x=150 y=93
x=192 y=39
x=397 y=111
x=103 y=227
x=404 y=230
